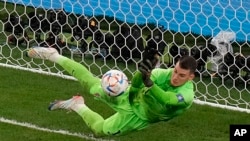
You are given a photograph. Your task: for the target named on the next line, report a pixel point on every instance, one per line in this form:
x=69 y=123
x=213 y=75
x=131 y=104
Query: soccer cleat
x=41 y=52
x=66 y=104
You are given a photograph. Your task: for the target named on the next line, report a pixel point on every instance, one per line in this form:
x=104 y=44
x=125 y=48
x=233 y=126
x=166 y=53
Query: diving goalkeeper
x=154 y=95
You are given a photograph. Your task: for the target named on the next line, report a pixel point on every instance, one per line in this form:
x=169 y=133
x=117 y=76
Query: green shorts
x=125 y=120
x=122 y=123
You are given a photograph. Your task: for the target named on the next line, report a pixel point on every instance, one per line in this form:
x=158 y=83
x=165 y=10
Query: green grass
x=25 y=97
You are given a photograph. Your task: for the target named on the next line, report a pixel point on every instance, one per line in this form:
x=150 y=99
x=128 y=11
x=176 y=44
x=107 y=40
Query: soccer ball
x=114 y=82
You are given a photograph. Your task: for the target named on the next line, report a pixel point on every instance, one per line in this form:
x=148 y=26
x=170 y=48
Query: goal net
x=104 y=35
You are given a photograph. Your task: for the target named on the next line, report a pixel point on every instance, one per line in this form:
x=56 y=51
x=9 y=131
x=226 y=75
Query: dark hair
x=188 y=62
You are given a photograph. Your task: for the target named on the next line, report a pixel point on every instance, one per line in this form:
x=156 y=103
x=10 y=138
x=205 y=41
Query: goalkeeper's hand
x=149 y=61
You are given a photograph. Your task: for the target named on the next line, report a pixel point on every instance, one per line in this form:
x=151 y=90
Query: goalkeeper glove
x=149 y=61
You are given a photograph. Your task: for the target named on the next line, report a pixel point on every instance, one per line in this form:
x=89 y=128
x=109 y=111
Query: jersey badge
x=180 y=97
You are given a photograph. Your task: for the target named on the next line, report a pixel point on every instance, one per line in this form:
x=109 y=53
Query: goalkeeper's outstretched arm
x=181 y=98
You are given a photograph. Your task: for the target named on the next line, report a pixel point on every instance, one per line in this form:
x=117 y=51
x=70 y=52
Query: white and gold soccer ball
x=114 y=82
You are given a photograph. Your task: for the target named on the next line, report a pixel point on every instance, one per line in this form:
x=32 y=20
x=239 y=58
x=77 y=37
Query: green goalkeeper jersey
x=161 y=101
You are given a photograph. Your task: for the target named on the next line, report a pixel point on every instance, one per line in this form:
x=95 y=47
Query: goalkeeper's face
x=181 y=76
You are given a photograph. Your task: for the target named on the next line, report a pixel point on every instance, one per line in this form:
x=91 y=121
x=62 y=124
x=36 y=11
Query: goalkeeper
x=154 y=94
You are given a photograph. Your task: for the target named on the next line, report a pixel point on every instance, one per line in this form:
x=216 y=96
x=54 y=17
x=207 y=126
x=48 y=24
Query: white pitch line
x=64 y=132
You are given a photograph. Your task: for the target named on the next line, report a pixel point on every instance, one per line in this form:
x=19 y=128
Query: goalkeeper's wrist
x=148 y=82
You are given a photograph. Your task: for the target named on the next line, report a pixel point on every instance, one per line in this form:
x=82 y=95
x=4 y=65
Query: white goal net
x=107 y=34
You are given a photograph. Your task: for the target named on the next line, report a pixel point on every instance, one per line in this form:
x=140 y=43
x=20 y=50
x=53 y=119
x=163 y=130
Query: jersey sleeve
x=182 y=97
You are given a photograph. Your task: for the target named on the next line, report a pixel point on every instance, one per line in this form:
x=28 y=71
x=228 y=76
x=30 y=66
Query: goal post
x=104 y=35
